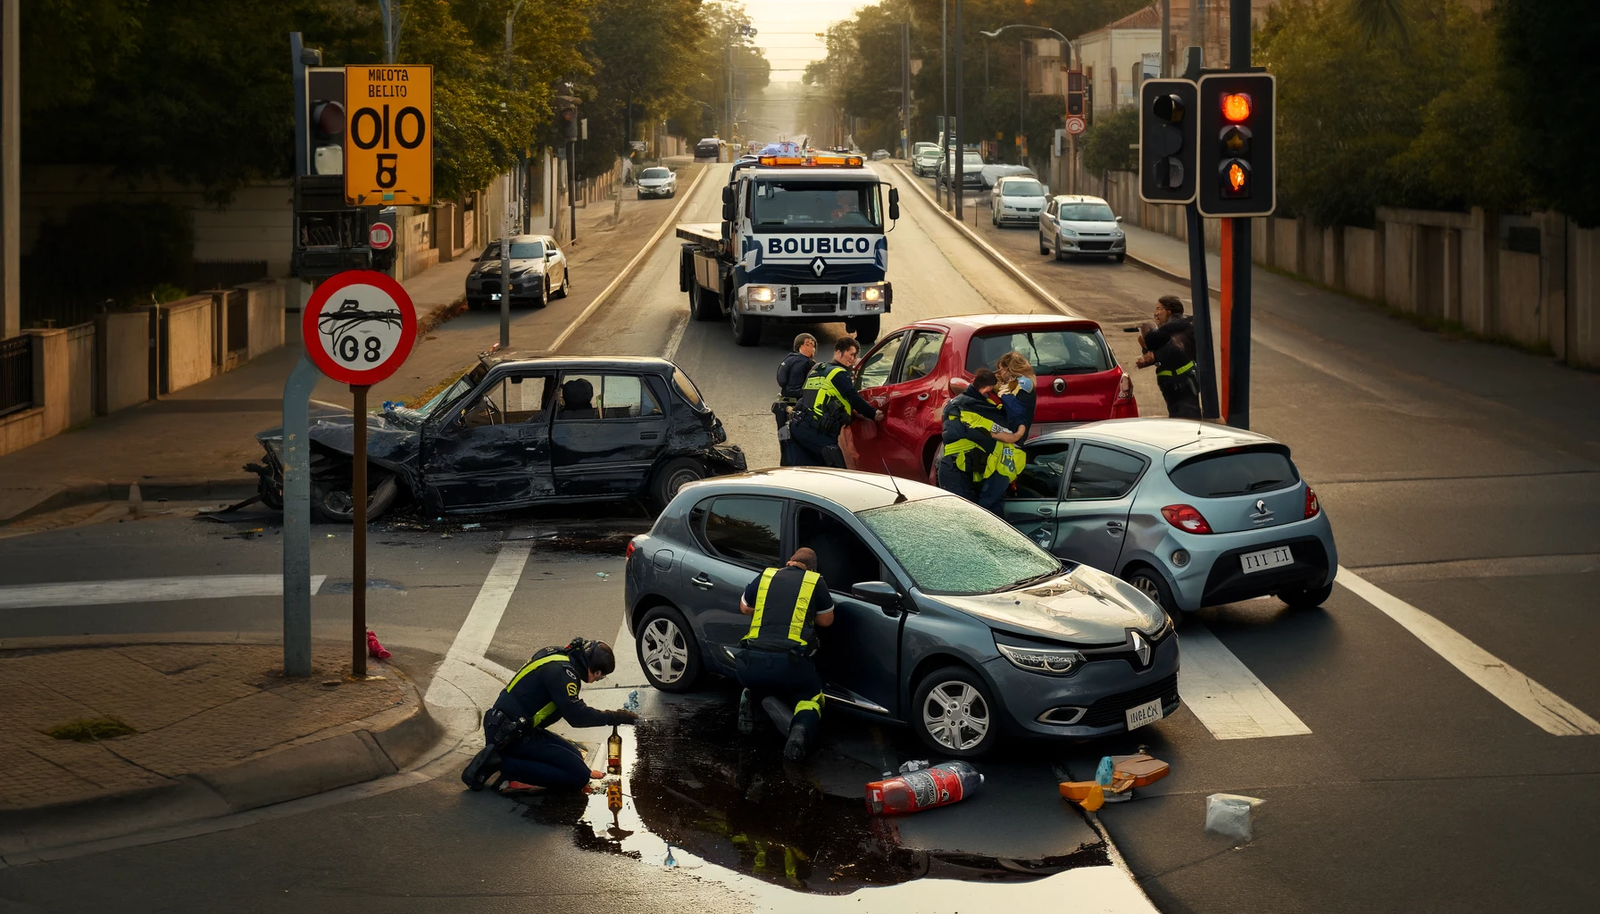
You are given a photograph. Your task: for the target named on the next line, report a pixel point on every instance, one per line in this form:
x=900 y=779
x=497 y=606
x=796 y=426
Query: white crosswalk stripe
x=1230 y=700
x=146 y=590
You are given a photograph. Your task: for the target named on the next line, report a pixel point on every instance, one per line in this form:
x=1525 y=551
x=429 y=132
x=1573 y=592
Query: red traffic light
x=1236 y=106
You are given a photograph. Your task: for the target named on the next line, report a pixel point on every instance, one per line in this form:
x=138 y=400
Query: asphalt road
x=1460 y=479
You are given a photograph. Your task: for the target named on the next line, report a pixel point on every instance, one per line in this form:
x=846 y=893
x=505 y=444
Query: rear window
x=1050 y=352
x=1235 y=472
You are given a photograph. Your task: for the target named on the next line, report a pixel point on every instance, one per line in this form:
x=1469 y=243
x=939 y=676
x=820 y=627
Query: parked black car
x=516 y=431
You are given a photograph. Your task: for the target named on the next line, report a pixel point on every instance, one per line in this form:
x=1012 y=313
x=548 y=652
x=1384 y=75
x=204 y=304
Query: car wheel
x=866 y=329
x=1058 y=248
x=704 y=303
x=1150 y=583
x=1121 y=257
x=566 y=285
x=667 y=651
x=954 y=714
x=1307 y=599
x=333 y=502
x=1043 y=248
x=746 y=327
x=674 y=475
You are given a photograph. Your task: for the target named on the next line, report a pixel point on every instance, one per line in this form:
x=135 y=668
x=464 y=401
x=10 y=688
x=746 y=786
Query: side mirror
x=476 y=259
x=894 y=203
x=880 y=594
x=1119 y=218
x=727 y=204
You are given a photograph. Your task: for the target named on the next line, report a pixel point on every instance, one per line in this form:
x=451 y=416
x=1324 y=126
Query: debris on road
x=915 y=791
x=376 y=649
x=1232 y=815
x=913 y=765
x=632 y=704
x=1115 y=778
x=602 y=575
x=470 y=526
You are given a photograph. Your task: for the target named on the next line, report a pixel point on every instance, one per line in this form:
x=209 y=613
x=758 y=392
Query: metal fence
x=16 y=374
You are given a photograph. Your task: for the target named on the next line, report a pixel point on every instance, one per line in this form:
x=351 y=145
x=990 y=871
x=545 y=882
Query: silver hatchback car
x=1193 y=514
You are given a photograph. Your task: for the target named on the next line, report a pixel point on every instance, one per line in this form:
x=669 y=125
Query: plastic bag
x=914 y=765
x=1231 y=815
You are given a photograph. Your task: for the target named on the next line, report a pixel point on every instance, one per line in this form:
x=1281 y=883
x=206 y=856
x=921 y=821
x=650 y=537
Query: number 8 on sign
x=359 y=327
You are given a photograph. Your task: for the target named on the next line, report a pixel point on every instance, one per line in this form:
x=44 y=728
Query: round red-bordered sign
x=359 y=326
x=380 y=236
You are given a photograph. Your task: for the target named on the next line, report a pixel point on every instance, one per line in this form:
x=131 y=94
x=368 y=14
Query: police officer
x=827 y=404
x=1175 y=376
x=972 y=427
x=518 y=741
x=786 y=605
x=792 y=373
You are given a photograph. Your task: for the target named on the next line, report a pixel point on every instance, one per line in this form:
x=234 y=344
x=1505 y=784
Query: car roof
x=1078 y=198
x=547 y=359
x=977 y=323
x=1166 y=435
x=1016 y=177
x=850 y=490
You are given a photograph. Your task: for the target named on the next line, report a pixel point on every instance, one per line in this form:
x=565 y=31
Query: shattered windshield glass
x=948 y=545
x=454 y=392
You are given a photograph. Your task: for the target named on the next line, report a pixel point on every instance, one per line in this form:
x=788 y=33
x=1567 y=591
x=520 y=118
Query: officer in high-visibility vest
x=827 y=404
x=519 y=744
x=973 y=428
x=786 y=606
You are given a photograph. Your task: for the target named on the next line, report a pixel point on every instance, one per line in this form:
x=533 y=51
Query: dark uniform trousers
x=542 y=758
x=775 y=659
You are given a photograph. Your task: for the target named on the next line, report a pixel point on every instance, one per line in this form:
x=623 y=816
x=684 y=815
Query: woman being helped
x=1017 y=398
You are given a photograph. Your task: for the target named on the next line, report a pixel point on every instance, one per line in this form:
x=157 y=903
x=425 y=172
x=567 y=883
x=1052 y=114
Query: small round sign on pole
x=1076 y=125
x=380 y=236
x=358 y=328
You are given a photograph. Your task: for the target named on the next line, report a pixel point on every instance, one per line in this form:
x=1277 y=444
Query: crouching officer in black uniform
x=828 y=404
x=792 y=373
x=1175 y=372
x=786 y=605
x=519 y=744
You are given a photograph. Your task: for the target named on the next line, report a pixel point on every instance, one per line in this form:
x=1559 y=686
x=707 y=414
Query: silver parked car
x=1073 y=224
x=1018 y=198
x=925 y=161
x=946 y=619
x=1193 y=514
x=657 y=181
x=538 y=273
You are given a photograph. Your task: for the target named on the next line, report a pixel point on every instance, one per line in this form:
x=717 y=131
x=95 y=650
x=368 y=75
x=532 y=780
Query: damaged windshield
x=950 y=546
x=462 y=386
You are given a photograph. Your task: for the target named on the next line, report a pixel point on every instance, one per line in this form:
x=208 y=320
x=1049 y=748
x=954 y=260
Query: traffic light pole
x=1200 y=293
x=1239 y=280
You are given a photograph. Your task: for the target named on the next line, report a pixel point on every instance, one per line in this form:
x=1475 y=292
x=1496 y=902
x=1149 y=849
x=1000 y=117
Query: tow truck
x=802 y=239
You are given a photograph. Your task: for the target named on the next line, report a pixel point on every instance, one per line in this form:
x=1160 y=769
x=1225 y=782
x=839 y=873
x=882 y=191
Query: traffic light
x=1236 y=173
x=325 y=120
x=1074 y=93
x=569 y=123
x=1167 y=140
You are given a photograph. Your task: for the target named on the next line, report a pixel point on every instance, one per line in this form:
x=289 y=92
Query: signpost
x=358 y=328
x=388 y=143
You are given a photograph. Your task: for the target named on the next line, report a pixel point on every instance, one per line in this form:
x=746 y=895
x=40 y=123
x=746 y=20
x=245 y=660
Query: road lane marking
x=1222 y=692
x=467 y=681
x=146 y=590
x=1549 y=711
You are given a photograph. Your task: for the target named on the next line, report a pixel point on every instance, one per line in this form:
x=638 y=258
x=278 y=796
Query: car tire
x=1150 y=582
x=667 y=650
x=1121 y=257
x=866 y=329
x=1307 y=599
x=746 y=327
x=706 y=303
x=672 y=476
x=961 y=696
x=566 y=285
x=1043 y=248
x=1057 y=248
x=334 y=504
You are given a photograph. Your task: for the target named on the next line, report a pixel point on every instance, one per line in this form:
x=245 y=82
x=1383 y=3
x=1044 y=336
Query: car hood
x=390 y=442
x=492 y=267
x=1015 y=200
x=1096 y=226
x=654 y=182
x=1085 y=606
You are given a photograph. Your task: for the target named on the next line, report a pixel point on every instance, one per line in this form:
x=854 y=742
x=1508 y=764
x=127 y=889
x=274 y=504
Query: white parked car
x=1019 y=198
x=1073 y=225
x=657 y=182
x=925 y=161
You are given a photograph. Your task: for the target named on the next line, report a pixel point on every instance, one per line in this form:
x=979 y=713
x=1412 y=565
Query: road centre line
x=1222 y=692
x=1549 y=711
x=146 y=590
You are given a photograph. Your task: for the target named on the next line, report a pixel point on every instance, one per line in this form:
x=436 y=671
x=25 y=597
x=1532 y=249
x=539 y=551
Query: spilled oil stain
x=697 y=792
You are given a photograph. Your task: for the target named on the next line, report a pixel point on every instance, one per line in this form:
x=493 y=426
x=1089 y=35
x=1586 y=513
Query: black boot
x=483 y=766
x=747 y=715
x=798 y=745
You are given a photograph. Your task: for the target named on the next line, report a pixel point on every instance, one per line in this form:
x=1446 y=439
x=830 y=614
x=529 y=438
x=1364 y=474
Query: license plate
x=494 y=296
x=1147 y=713
x=1266 y=558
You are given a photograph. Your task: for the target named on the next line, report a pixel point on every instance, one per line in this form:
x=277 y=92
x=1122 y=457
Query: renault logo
x=1141 y=647
x=1261 y=515
x=818 y=265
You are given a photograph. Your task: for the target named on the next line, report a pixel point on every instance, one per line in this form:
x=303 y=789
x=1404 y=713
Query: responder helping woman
x=981 y=457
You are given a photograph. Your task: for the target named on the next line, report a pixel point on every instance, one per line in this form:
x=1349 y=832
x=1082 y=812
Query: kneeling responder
x=972 y=432
x=516 y=731
x=827 y=404
x=774 y=664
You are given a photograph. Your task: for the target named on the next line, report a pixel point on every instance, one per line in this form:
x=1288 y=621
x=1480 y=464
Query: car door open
x=1031 y=504
x=859 y=654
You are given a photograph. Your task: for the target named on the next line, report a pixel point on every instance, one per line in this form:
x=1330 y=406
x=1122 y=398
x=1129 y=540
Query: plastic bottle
x=915 y=791
x=614 y=752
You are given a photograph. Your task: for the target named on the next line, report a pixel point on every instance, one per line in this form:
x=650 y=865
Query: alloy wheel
x=1148 y=587
x=666 y=654
x=956 y=715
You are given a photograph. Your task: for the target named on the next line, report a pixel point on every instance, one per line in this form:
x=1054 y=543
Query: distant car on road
x=991 y=174
x=1192 y=514
x=538 y=273
x=519 y=431
x=657 y=181
x=1017 y=199
x=925 y=161
x=971 y=170
x=915 y=370
x=708 y=150
x=1075 y=225
x=946 y=619
x=878 y=155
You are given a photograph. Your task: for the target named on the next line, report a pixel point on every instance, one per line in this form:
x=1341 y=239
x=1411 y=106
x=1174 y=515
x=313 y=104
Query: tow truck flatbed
x=706 y=233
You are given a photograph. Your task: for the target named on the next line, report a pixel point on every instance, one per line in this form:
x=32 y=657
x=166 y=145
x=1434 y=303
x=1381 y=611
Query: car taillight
x=1313 y=507
x=1185 y=518
x=631 y=547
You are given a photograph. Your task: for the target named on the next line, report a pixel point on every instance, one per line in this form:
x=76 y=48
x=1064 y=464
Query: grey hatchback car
x=1193 y=514
x=946 y=619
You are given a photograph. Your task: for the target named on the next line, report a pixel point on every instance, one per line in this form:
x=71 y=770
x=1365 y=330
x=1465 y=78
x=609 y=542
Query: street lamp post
x=505 y=227
x=1072 y=52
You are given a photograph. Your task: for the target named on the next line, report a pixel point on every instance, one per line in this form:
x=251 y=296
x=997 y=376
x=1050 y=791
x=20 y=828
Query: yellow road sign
x=388 y=140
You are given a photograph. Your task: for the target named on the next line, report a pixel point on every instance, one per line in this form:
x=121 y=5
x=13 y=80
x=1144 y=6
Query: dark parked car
x=516 y=431
x=947 y=619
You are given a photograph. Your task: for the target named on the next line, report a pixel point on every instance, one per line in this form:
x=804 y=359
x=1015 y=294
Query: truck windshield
x=816 y=206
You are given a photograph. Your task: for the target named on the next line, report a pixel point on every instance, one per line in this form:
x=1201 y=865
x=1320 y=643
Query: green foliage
x=89 y=730
x=1106 y=144
x=1548 y=54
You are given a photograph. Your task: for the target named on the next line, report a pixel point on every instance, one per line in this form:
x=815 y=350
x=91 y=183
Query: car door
x=555 y=264
x=1092 y=516
x=1032 y=503
x=859 y=654
x=493 y=451
x=863 y=442
x=608 y=431
x=739 y=537
x=1047 y=223
x=911 y=410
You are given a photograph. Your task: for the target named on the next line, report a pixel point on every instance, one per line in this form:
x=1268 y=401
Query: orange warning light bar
x=811 y=161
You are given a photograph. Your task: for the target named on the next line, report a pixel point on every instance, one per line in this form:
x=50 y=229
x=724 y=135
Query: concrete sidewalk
x=97 y=736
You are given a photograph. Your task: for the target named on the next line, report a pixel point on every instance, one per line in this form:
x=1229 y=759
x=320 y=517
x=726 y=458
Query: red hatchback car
x=915 y=370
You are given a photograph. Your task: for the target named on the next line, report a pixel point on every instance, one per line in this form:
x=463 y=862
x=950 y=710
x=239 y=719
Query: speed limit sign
x=359 y=326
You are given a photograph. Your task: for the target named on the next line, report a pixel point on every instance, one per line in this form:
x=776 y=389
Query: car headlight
x=1069 y=233
x=1050 y=661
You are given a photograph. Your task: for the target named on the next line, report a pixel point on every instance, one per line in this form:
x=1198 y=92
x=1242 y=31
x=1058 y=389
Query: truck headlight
x=1041 y=660
x=762 y=294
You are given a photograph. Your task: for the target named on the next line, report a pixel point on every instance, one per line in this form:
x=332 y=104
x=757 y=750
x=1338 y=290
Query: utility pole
x=510 y=213
x=10 y=170
x=905 y=90
x=944 y=111
x=1022 y=97
x=1166 y=38
x=391 y=30
x=961 y=149
x=1236 y=241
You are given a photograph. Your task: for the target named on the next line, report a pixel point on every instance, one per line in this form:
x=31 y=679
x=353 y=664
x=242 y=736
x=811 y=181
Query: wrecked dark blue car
x=517 y=431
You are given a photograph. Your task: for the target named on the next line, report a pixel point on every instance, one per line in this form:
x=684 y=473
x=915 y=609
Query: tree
x=1547 y=51
x=1106 y=145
